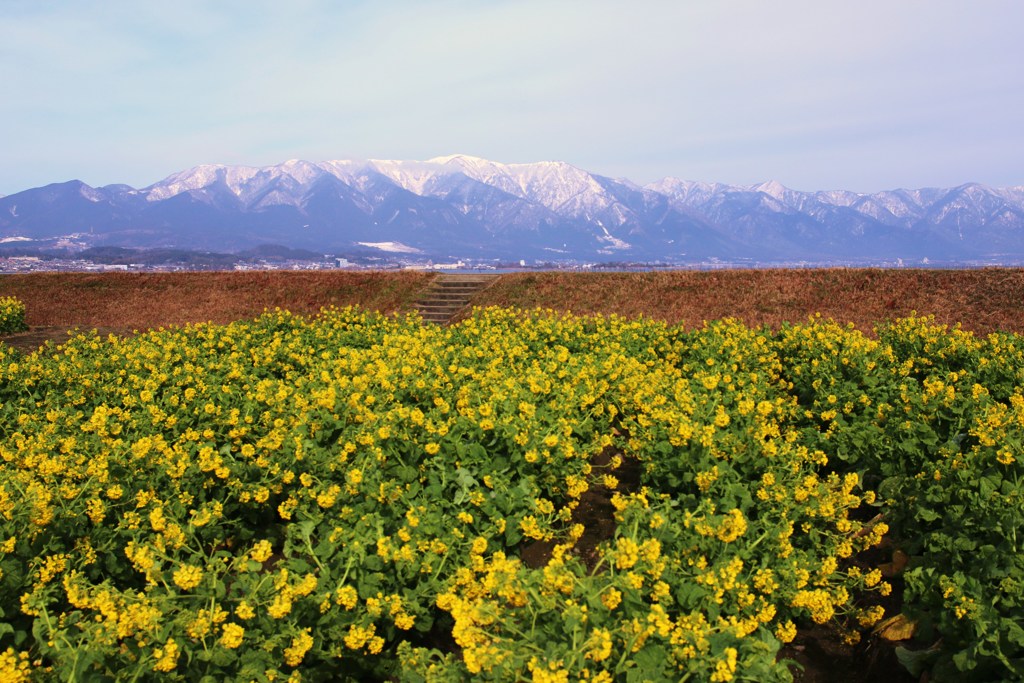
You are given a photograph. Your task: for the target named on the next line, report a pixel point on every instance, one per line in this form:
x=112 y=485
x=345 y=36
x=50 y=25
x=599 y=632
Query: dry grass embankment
x=145 y=300
x=982 y=300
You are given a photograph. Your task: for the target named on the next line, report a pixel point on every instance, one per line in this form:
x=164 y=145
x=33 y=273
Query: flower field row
x=365 y=497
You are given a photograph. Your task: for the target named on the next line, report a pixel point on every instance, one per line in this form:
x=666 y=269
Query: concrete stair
x=448 y=294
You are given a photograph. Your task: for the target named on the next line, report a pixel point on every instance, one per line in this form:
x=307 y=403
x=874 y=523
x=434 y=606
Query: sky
x=864 y=96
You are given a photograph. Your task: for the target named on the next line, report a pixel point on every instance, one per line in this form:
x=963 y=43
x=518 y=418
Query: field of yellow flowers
x=350 y=496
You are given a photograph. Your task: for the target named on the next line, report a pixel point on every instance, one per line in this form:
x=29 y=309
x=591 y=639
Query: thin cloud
x=816 y=95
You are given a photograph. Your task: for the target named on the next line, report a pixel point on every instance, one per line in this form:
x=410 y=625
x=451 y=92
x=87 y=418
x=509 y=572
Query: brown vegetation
x=145 y=300
x=982 y=300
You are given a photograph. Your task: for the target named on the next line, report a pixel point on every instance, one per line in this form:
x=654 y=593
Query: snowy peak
x=194 y=178
x=685 y=190
x=462 y=205
x=463 y=160
x=557 y=186
x=773 y=188
x=568 y=191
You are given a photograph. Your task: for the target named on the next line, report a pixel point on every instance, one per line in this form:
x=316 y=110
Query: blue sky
x=866 y=95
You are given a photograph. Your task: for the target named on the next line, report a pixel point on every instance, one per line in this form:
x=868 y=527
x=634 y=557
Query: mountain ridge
x=469 y=207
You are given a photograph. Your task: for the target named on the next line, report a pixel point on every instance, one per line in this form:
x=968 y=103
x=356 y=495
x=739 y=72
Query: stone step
x=466 y=291
x=466 y=277
x=460 y=286
x=451 y=296
x=448 y=295
x=440 y=308
x=433 y=301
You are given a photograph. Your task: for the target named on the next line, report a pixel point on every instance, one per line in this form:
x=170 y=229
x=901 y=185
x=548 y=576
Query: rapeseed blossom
x=191 y=498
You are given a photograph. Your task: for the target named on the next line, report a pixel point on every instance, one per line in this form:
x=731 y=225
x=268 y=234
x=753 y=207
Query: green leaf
x=964 y=544
x=649 y=660
x=223 y=656
x=1014 y=632
x=916 y=662
x=512 y=535
x=964 y=661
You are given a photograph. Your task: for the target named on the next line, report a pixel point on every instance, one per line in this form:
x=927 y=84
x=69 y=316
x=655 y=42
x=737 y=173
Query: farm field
x=523 y=495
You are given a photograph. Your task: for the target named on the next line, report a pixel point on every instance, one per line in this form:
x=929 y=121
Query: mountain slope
x=464 y=207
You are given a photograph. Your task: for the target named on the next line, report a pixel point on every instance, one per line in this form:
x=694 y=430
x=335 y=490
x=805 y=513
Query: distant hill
x=465 y=207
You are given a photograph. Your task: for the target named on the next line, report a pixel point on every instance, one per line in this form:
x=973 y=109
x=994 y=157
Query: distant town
x=113 y=259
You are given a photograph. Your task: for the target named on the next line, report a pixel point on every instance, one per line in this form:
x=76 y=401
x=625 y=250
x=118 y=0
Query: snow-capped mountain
x=464 y=206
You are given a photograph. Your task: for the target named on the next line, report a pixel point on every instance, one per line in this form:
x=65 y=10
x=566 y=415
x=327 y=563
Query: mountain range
x=465 y=207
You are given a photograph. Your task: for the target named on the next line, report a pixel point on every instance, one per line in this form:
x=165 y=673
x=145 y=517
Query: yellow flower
x=188 y=577
x=817 y=602
x=600 y=645
x=872 y=578
x=725 y=669
x=166 y=657
x=627 y=553
x=306 y=586
x=732 y=527
x=785 y=632
x=232 y=636
x=281 y=606
x=705 y=479
x=301 y=643
x=611 y=598
x=15 y=666
x=870 y=616
x=721 y=417
x=530 y=528
x=261 y=551
x=359 y=636
x=346 y=596
x=552 y=673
